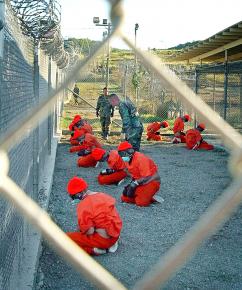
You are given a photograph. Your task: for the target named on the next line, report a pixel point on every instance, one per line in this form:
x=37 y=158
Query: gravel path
x=191 y=181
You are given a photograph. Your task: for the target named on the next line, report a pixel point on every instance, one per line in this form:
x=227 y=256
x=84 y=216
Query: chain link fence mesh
x=23 y=85
x=154 y=101
x=19 y=93
x=220 y=86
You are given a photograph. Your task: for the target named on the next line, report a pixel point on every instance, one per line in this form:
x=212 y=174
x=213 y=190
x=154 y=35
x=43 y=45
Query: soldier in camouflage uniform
x=76 y=92
x=105 y=111
x=132 y=126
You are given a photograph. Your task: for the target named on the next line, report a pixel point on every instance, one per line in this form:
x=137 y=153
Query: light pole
x=107 y=25
x=136 y=27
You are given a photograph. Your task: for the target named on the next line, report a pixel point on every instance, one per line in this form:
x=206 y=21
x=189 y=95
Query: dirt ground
x=191 y=181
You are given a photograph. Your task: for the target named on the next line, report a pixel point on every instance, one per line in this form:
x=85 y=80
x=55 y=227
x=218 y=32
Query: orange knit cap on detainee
x=77 y=118
x=164 y=124
x=97 y=153
x=202 y=125
x=124 y=146
x=187 y=117
x=76 y=185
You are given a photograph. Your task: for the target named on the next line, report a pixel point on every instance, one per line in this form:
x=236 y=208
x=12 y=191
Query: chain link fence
x=154 y=101
x=220 y=86
x=28 y=77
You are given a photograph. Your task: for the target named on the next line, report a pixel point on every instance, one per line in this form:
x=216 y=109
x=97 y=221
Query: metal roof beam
x=217 y=50
x=235 y=30
x=231 y=33
x=230 y=36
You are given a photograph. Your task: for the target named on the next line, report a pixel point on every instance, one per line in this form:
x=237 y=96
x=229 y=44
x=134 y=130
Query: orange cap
x=124 y=146
x=202 y=125
x=164 y=124
x=187 y=117
x=97 y=153
x=77 y=118
x=76 y=185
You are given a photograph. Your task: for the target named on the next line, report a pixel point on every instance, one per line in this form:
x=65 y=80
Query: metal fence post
x=50 y=129
x=2 y=23
x=125 y=82
x=225 y=89
x=240 y=98
x=108 y=56
x=56 y=104
x=136 y=64
x=36 y=130
x=196 y=91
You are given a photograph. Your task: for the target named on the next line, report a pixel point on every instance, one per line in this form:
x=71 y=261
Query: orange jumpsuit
x=116 y=163
x=90 y=142
x=192 y=137
x=77 y=133
x=97 y=210
x=178 y=130
x=85 y=128
x=142 y=166
x=152 y=129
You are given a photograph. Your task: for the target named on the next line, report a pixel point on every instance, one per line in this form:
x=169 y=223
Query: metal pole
x=196 y=91
x=2 y=23
x=103 y=59
x=136 y=71
x=56 y=105
x=50 y=129
x=214 y=81
x=108 y=56
x=240 y=95
x=125 y=81
x=36 y=130
x=225 y=85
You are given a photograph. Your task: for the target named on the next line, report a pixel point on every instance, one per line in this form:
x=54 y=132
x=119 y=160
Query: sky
x=162 y=23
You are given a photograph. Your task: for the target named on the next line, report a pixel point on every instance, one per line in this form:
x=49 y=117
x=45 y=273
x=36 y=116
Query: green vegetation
x=155 y=103
x=184 y=45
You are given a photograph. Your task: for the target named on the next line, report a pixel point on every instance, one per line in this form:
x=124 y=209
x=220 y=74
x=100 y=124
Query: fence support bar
x=176 y=256
x=82 y=262
x=90 y=105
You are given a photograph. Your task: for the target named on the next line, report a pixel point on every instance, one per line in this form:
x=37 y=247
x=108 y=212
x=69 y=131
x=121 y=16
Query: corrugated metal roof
x=214 y=47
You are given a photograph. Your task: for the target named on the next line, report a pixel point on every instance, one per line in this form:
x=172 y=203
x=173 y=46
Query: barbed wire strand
x=40 y=111
x=218 y=211
x=30 y=209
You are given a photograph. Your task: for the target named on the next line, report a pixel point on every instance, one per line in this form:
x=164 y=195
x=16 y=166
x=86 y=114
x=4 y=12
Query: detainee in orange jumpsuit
x=153 y=128
x=116 y=171
x=78 y=124
x=75 y=120
x=145 y=178
x=179 y=135
x=87 y=143
x=74 y=140
x=98 y=219
x=194 y=140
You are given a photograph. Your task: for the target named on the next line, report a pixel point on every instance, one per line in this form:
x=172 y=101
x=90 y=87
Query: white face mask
x=126 y=158
x=75 y=201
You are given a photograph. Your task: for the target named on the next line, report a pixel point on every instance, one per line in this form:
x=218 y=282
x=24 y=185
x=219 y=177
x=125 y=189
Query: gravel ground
x=191 y=181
